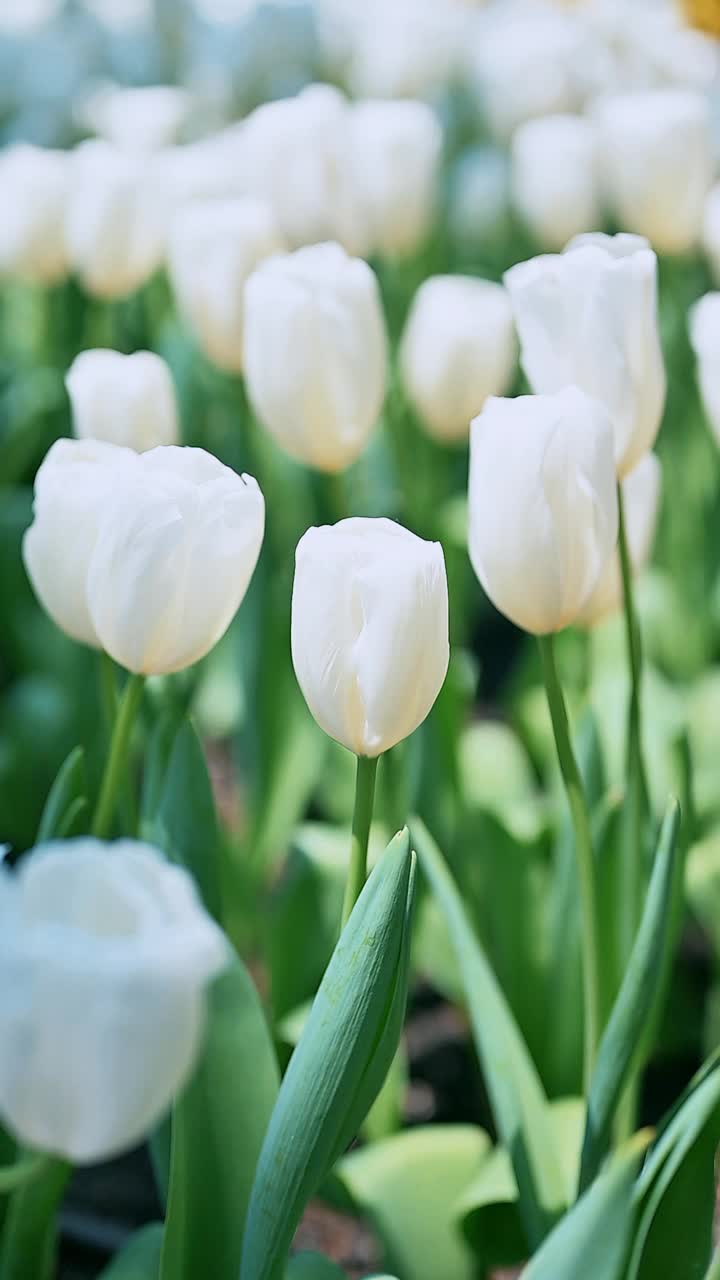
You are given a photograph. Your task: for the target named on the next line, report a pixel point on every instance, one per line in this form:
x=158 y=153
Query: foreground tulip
x=369 y=630
x=458 y=348
x=588 y=317
x=214 y=245
x=34 y=182
x=658 y=161
x=641 y=500
x=73 y=487
x=125 y=400
x=105 y=954
x=704 y=327
x=554 y=178
x=543 y=505
x=315 y=353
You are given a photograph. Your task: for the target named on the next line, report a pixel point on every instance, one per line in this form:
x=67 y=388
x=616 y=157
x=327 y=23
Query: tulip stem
x=117 y=756
x=362 y=817
x=28 y=1241
x=583 y=852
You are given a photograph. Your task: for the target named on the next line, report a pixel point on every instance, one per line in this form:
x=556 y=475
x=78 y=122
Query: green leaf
x=593 y=1238
x=340 y=1062
x=67 y=798
x=140 y=1258
x=408 y=1185
x=312 y=1266
x=519 y=1104
x=218 y=1126
x=637 y=999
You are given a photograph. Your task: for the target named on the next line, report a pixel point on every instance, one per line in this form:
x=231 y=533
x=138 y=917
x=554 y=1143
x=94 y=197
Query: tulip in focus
x=34 y=182
x=369 y=630
x=125 y=400
x=316 y=353
x=555 y=179
x=458 y=348
x=658 y=163
x=105 y=956
x=588 y=317
x=641 y=504
x=213 y=247
x=542 y=505
x=704 y=325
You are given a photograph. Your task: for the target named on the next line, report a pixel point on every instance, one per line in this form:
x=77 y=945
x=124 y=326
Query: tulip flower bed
x=360 y=659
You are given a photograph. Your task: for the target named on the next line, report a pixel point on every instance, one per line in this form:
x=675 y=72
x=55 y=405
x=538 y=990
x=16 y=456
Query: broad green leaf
x=140 y=1258
x=340 y=1063
x=497 y=776
x=312 y=1266
x=408 y=1185
x=703 y=884
x=67 y=798
x=519 y=1104
x=385 y=1115
x=593 y=1238
x=636 y=1001
x=218 y=1126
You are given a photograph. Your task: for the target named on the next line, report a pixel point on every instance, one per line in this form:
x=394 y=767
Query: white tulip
x=555 y=178
x=457 y=349
x=588 y=317
x=114 y=224
x=73 y=487
x=369 y=630
x=542 y=505
x=315 y=353
x=105 y=956
x=173 y=559
x=658 y=163
x=711 y=231
x=126 y=400
x=641 y=504
x=34 y=182
x=407 y=49
x=394 y=151
x=213 y=247
x=704 y=327
x=143 y=119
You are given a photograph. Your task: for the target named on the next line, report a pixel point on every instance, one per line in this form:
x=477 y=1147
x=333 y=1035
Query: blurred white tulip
x=658 y=163
x=126 y=400
x=73 y=487
x=173 y=559
x=404 y=49
x=316 y=353
x=114 y=224
x=555 y=178
x=369 y=630
x=542 y=505
x=213 y=247
x=711 y=231
x=105 y=956
x=27 y=18
x=34 y=182
x=588 y=317
x=458 y=348
x=215 y=167
x=641 y=504
x=704 y=329
x=142 y=119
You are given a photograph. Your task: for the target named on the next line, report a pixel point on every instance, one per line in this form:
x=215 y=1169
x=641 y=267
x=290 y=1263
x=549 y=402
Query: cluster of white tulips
x=306 y=418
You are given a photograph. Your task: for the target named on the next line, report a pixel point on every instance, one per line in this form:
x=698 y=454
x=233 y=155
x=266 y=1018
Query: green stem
x=362 y=817
x=117 y=757
x=28 y=1242
x=583 y=852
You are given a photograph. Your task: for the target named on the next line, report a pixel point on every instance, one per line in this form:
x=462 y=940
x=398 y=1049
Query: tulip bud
x=704 y=326
x=315 y=353
x=458 y=348
x=105 y=955
x=542 y=505
x=73 y=487
x=658 y=163
x=588 y=317
x=114 y=219
x=641 y=503
x=369 y=630
x=142 y=119
x=127 y=400
x=34 y=182
x=554 y=178
x=173 y=560
x=214 y=246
